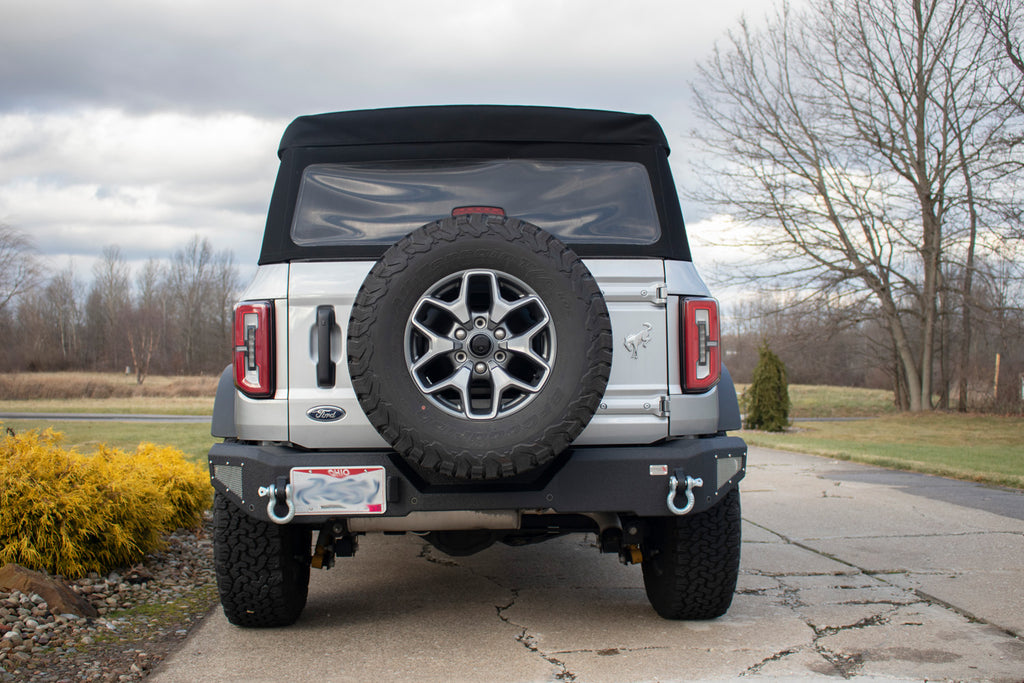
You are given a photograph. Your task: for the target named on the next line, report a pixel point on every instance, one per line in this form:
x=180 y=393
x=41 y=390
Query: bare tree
x=65 y=314
x=109 y=306
x=1005 y=23
x=200 y=283
x=19 y=268
x=147 y=322
x=842 y=135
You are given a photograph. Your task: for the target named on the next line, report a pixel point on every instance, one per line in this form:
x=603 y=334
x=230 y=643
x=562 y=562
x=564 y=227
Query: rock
x=138 y=574
x=57 y=595
x=14 y=638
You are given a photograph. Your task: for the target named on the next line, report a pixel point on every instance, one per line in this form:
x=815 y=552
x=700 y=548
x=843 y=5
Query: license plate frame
x=359 y=490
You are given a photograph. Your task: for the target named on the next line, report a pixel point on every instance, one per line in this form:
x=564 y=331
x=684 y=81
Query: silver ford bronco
x=480 y=324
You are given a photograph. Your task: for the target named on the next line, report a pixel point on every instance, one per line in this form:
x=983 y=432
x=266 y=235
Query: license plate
x=338 y=490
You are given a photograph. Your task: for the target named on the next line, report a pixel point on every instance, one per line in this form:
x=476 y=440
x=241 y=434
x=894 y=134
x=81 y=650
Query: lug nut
x=460 y=357
x=460 y=334
x=500 y=356
x=480 y=322
x=499 y=333
x=480 y=368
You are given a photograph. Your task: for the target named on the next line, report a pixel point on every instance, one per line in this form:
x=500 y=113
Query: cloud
x=142 y=122
x=78 y=181
x=282 y=59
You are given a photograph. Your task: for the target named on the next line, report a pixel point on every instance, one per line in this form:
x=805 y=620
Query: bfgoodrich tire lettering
x=394 y=329
x=691 y=563
x=262 y=568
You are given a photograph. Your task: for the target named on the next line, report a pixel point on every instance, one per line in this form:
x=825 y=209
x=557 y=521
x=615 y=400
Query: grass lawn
x=825 y=401
x=139 y=405
x=980 y=448
x=811 y=400
x=83 y=436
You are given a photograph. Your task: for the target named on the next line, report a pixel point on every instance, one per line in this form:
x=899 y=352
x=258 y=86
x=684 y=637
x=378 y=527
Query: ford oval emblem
x=325 y=414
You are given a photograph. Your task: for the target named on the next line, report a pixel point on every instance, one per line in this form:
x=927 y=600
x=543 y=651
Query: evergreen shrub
x=766 y=400
x=72 y=513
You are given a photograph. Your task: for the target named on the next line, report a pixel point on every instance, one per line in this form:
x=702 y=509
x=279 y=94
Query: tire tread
x=694 y=566
x=262 y=580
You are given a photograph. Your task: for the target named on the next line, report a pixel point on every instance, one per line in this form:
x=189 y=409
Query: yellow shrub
x=185 y=484
x=73 y=513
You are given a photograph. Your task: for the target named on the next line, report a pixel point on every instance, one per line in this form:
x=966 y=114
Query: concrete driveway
x=847 y=572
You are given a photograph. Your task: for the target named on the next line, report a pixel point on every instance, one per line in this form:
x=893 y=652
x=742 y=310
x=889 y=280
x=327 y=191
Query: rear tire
x=509 y=405
x=692 y=562
x=262 y=568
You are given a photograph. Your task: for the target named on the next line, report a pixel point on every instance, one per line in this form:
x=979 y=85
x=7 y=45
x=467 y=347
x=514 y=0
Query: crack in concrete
x=530 y=642
x=845 y=664
x=826 y=631
x=880 y=575
x=782 y=575
x=427 y=553
x=782 y=654
x=524 y=636
x=611 y=651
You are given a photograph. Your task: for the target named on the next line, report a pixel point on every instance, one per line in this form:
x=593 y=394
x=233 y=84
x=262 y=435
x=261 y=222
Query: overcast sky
x=141 y=122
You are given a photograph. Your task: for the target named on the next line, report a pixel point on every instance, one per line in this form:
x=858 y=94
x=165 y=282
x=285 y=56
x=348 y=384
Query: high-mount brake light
x=254 y=357
x=489 y=210
x=702 y=355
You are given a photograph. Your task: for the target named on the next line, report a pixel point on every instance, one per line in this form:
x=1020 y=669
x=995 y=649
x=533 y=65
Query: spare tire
x=479 y=346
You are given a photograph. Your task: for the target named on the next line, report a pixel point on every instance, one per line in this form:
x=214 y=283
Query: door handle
x=324 y=365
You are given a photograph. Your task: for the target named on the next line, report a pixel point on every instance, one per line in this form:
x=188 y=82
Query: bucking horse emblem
x=634 y=342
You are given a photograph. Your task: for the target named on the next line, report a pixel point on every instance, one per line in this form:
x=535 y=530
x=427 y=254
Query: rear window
x=605 y=202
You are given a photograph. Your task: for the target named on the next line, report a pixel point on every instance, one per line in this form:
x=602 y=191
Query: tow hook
x=279 y=494
x=691 y=483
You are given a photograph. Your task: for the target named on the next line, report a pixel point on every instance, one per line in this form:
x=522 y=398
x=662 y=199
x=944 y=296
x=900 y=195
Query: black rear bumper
x=628 y=480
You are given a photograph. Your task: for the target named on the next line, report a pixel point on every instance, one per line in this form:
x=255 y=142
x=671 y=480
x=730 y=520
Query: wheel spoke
x=458 y=309
x=501 y=308
x=436 y=345
x=522 y=344
x=501 y=381
x=458 y=381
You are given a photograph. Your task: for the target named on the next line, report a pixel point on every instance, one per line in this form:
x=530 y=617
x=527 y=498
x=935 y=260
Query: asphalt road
x=847 y=572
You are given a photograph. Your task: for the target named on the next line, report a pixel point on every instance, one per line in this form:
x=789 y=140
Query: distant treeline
x=174 y=318
x=826 y=342
x=168 y=318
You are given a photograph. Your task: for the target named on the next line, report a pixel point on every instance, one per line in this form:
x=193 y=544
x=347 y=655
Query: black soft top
x=472 y=123
x=470 y=132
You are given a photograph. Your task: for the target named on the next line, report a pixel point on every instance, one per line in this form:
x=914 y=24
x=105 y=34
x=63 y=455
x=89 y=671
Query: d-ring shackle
x=272 y=493
x=673 y=484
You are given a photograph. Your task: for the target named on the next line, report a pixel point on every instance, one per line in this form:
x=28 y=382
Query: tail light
x=701 y=352
x=254 y=357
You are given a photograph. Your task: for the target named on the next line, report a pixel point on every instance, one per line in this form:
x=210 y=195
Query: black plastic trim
x=728 y=403
x=222 y=425
x=617 y=479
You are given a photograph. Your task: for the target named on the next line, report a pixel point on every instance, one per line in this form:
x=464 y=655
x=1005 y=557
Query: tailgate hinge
x=655 y=293
x=664 y=406
x=661 y=294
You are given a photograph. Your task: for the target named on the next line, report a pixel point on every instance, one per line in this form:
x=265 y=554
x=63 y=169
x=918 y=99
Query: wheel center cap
x=480 y=345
